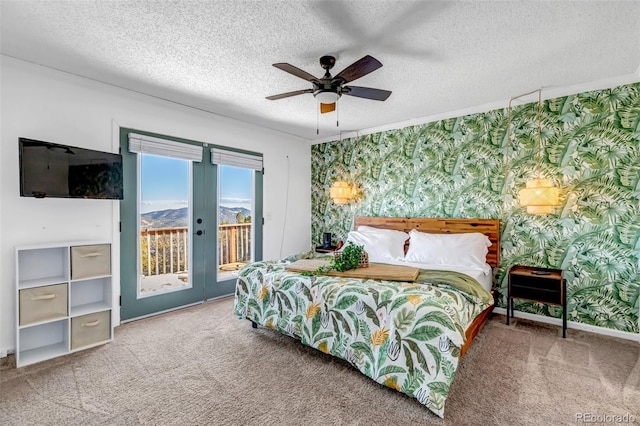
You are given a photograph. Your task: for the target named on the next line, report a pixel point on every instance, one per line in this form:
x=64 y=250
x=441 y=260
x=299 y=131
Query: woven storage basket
x=364 y=258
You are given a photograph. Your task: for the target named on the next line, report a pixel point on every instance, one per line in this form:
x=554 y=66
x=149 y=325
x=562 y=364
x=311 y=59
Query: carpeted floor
x=202 y=366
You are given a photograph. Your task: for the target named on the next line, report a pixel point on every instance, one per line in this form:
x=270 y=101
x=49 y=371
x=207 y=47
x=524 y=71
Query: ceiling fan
x=327 y=90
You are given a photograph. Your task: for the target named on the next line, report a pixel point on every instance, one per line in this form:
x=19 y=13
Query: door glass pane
x=235 y=228
x=164 y=216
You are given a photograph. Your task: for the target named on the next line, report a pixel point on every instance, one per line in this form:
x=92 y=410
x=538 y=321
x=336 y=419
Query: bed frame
x=488 y=227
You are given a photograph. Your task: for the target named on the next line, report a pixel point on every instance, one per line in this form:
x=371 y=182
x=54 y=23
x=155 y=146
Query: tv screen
x=61 y=171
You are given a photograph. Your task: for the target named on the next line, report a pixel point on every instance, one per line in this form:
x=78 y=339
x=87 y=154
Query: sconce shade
x=341 y=192
x=539 y=196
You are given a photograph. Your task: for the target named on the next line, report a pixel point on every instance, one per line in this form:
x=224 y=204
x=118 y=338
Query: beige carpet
x=202 y=366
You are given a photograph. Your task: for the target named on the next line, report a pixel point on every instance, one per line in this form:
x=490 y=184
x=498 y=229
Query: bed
x=406 y=335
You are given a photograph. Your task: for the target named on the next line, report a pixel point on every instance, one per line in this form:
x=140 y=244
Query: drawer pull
x=91 y=324
x=92 y=254
x=44 y=297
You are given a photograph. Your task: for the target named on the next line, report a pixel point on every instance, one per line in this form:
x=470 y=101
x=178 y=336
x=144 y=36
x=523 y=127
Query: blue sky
x=165 y=184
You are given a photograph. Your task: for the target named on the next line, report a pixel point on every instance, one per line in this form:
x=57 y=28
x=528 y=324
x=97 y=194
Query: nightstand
x=542 y=285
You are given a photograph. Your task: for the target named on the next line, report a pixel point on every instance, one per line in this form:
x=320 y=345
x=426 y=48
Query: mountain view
x=173 y=218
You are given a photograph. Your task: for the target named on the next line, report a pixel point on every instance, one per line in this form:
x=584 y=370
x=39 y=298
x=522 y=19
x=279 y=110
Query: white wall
x=48 y=105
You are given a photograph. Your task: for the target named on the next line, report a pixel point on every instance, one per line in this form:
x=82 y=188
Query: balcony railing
x=165 y=250
x=234 y=244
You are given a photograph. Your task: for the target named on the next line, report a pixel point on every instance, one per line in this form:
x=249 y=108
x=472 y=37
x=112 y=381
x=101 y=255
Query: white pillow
x=466 y=250
x=380 y=246
x=391 y=233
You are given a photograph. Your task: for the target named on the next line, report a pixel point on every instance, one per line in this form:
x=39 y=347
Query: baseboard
x=572 y=324
x=5 y=352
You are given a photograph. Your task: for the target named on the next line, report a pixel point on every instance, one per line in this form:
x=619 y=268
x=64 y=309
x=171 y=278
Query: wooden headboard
x=488 y=227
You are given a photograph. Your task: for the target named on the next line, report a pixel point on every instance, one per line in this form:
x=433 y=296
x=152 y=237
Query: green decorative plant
x=349 y=258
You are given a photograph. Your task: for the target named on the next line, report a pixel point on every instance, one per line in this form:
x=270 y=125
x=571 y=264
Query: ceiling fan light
x=326 y=96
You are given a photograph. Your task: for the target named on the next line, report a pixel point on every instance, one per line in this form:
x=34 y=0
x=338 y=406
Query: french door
x=190 y=219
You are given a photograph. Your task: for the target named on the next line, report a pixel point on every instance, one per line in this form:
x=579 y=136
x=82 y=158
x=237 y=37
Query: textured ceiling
x=217 y=55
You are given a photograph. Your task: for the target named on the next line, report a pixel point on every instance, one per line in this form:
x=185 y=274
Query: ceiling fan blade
x=368 y=93
x=288 y=94
x=359 y=68
x=295 y=71
x=325 y=108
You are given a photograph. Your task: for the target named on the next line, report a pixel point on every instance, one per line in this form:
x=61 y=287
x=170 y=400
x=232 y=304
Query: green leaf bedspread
x=406 y=336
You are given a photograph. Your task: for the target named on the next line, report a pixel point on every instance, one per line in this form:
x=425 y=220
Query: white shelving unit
x=63 y=299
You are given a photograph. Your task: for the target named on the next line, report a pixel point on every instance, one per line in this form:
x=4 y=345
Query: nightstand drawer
x=537 y=294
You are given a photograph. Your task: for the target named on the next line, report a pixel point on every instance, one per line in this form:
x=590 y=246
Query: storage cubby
x=42 y=266
x=90 y=261
x=90 y=330
x=44 y=303
x=63 y=299
x=88 y=296
x=43 y=341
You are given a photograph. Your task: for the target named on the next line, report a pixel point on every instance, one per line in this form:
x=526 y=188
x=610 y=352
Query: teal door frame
x=204 y=247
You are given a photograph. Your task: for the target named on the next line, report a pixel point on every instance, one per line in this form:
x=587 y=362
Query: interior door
x=171 y=216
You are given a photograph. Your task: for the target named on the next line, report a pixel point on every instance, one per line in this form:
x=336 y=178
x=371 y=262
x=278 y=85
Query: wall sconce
x=341 y=192
x=539 y=195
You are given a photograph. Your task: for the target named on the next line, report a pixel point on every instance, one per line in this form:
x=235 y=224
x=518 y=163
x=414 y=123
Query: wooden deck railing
x=165 y=250
x=234 y=243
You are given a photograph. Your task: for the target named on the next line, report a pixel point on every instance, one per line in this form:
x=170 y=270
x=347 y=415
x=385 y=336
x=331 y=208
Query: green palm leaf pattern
x=399 y=335
x=456 y=168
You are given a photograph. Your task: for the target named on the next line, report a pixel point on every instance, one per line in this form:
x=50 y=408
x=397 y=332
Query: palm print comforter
x=406 y=336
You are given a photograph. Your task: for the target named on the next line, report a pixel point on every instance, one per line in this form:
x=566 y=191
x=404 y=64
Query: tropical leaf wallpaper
x=464 y=167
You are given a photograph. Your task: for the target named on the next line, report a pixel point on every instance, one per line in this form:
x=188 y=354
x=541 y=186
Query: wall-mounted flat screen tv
x=62 y=171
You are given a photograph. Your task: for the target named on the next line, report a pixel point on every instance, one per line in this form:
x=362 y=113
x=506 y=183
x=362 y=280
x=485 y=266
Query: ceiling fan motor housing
x=327 y=62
